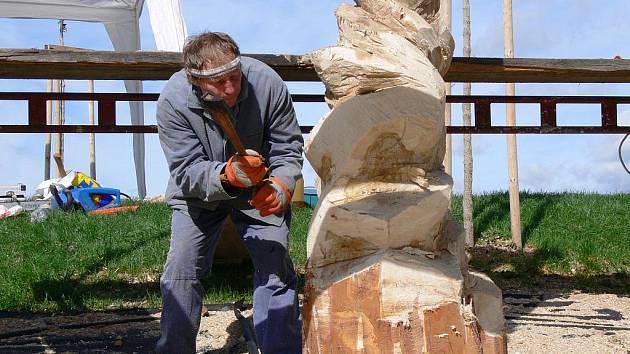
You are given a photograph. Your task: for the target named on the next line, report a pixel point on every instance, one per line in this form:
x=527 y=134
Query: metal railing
x=482 y=107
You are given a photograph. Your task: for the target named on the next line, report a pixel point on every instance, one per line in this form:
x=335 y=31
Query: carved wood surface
x=386 y=270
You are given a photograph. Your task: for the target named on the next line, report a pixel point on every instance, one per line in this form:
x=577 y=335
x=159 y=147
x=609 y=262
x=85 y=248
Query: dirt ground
x=557 y=320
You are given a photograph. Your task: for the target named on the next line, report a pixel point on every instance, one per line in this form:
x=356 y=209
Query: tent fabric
x=168 y=24
x=120 y=18
x=125 y=36
x=81 y=10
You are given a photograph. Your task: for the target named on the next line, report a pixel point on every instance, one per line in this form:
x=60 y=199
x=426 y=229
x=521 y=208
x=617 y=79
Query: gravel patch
x=573 y=323
x=537 y=322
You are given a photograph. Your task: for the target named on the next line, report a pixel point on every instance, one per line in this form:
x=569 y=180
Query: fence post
x=510 y=90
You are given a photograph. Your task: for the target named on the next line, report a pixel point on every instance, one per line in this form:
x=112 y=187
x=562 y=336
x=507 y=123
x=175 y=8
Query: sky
x=542 y=29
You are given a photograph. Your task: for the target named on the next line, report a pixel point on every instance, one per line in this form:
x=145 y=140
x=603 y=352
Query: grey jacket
x=196 y=149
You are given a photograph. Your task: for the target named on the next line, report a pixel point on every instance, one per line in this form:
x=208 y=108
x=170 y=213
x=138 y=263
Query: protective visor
x=216 y=72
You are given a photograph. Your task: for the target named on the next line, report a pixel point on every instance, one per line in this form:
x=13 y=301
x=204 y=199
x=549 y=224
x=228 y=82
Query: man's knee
x=181 y=265
x=272 y=262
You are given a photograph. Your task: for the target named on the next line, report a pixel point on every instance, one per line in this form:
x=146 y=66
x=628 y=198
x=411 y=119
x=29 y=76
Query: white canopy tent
x=121 y=18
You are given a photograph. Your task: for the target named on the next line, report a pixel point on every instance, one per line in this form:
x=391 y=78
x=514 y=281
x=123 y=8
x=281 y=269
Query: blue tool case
x=87 y=198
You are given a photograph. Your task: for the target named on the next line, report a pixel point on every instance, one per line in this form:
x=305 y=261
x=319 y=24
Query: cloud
x=535 y=175
x=606 y=171
x=592 y=166
x=481 y=144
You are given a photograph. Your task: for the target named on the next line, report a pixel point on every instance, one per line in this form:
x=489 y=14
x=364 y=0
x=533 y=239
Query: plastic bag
x=41 y=213
x=6 y=212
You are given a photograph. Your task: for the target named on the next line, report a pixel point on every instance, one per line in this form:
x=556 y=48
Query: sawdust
x=556 y=319
x=567 y=323
x=113 y=332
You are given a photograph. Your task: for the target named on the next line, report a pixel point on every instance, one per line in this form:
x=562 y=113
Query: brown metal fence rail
x=482 y=107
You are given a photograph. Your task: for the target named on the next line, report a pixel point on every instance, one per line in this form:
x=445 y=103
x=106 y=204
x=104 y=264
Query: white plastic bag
x=6 y=212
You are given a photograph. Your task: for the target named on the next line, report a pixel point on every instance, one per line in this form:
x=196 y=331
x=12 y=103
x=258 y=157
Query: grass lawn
x=568 y=234
x=74 y=262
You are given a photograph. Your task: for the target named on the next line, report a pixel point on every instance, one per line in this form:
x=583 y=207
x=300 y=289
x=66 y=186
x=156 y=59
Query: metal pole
x=510 y=90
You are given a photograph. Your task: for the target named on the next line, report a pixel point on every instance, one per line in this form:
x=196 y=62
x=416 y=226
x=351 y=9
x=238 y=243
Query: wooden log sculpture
x=387 y=272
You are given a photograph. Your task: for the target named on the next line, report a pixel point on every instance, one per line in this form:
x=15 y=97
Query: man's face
x=227 y=86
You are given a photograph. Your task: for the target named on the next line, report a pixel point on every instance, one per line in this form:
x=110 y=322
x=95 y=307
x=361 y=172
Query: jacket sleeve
x=190 y=167
x=285 y=139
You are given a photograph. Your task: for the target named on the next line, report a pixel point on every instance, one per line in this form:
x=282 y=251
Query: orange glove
x=272 y=198
x=245 y=171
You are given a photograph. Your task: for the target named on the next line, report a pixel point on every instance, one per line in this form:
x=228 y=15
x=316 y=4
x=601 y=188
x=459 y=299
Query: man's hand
x=245 y=171
x=272 y=198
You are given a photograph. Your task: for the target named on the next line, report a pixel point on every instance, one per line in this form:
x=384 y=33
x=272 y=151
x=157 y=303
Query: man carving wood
x=198 y=153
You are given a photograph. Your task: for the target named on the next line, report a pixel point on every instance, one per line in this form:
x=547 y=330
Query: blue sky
x=545 y=29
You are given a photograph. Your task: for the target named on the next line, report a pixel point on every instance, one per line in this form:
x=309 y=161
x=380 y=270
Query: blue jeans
x=277 y=318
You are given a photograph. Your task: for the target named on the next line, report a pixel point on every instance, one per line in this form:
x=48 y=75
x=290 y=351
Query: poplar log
x=387 y=271
x=435 y=40
x=428 y=9
x=352 y=131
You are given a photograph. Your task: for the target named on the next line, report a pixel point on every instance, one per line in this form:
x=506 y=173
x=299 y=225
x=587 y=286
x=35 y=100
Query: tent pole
x=49 y=88
x=92 y=137
x=60 y=105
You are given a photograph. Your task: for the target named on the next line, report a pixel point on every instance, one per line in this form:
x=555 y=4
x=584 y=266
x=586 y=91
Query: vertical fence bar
x=609 y=113
x=36 y=111
x=106 y=112
x=482 y=114
x=548 y=117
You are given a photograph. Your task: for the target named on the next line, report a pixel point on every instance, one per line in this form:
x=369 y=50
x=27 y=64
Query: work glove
x=245 y=171
x=272 y=198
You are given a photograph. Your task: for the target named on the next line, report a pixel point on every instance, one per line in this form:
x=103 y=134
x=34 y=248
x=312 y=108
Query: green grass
x=584 y=236
x=73 y=261
x=76 y=262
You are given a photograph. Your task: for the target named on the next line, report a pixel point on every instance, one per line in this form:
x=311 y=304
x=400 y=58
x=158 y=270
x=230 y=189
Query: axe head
x=214 y=102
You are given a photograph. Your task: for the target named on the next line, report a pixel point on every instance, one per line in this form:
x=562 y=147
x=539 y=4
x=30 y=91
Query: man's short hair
x=213 y=47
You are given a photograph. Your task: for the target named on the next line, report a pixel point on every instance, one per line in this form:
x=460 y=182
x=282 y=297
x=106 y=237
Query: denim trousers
x=277 y=318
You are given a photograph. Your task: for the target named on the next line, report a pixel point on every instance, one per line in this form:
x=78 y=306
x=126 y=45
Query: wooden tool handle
x=224 y=121
x=116 y=210
x=61 y=171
